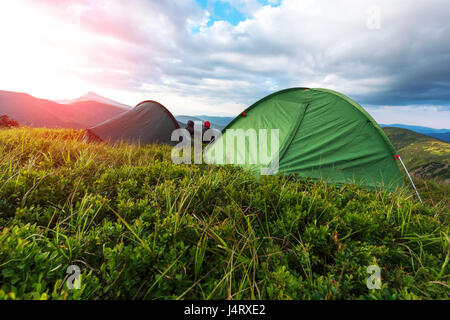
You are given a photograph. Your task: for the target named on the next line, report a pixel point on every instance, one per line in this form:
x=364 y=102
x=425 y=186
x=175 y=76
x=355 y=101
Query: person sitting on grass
x=206 y=127
x=190 y=127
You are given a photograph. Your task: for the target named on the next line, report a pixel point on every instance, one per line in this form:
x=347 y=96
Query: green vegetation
x=140 y=227
x=427 y=159
x=7 y=122
x=424 y=156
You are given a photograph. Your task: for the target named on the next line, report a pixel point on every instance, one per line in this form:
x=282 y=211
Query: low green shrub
x=140 y=227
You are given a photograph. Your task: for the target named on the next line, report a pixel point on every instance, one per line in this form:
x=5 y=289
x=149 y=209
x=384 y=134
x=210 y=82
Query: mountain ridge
x=94 y=108
x=92 y=96
x=424 y=156
x=420 y=129
x=35 y=112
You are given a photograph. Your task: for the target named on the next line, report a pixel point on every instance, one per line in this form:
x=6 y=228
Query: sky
x=218 y=57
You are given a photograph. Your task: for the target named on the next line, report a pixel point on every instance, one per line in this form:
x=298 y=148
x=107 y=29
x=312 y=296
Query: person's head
x=207 y=125
x=190 y=123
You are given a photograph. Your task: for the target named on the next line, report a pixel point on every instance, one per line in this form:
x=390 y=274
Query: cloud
x=328 y=43
x=200 y=60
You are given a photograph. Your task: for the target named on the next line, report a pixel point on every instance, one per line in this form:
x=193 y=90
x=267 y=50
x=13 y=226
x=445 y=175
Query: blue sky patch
x=225 y=11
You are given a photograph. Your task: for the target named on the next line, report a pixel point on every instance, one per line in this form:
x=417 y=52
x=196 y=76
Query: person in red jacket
x=206 y=127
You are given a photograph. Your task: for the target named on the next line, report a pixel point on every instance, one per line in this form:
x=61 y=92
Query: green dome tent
x=148 y=122
x=322 y=134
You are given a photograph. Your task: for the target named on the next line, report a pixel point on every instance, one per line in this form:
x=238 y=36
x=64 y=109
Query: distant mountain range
x=445 y=136
x=31 y=111
x=441 y=134
x=91 y=109
x=222 y=122
x=91 y=96
x=418 y=129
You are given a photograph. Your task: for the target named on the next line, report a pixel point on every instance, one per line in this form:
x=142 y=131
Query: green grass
x=140 y=227
x=422 y=155
x=402 y=138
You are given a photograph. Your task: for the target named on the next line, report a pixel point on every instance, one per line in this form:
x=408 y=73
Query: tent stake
x=404 y=167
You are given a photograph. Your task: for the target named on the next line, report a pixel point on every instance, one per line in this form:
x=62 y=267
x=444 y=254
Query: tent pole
x=404 y=167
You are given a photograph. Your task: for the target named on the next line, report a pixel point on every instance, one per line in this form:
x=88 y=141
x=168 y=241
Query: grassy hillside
x=401 y=138
x=140 y=227
x=424 y=156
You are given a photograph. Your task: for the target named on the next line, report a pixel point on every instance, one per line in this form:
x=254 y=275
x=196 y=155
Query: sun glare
x=43 y=53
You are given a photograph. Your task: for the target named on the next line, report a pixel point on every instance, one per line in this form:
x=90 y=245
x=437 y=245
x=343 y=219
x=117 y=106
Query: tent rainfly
x=149 y=122
x=322 y=134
